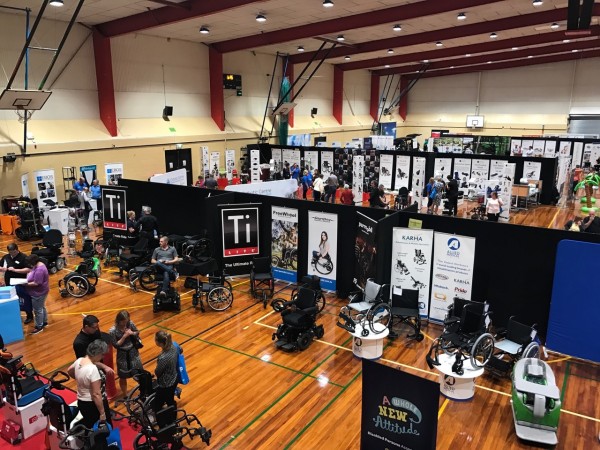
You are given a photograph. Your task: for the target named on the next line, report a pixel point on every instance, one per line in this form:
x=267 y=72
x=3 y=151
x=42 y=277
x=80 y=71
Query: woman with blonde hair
x=125 y=338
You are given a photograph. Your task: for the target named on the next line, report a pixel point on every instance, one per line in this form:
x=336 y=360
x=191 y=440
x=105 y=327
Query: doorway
x=180 y=158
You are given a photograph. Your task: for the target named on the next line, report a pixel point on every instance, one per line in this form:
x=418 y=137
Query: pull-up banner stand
x=114 y=208
x=240 y=234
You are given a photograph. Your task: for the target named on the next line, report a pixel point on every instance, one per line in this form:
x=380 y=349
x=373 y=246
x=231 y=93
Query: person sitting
x=165 y=257
x=591 y=224
x=575 y=224
x=347 y=196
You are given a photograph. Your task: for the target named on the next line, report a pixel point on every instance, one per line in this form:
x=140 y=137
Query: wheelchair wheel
x=77 y=286
x=220 y=298
x=532 y=350
x=325 y=267
x=147 y=279
x=320 y=302
x=303 y=340
x=294 y=259
x=60 y=263
x=379 y=317
x=92 y=278
x=482 y=350
x=275 y=261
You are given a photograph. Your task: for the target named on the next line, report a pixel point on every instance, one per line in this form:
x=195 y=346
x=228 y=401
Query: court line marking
x=566 y=358
x=442 y=408
x=553 y=219
x=98 y=311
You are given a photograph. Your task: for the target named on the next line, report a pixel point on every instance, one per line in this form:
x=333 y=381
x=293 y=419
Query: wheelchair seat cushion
x=262 y=276
x=298 y=319
x=405 y=312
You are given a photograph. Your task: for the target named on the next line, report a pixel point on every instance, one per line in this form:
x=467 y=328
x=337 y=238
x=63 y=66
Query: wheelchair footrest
x=285 y=345
x=500 y=365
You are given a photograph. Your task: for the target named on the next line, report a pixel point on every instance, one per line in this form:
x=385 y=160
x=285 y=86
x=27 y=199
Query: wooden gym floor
x=253 y=396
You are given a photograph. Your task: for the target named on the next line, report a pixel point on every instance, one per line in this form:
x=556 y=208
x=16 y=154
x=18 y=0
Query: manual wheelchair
x=299 y=326
x=216 y=291
x=368 y=310
x=465 y=336
x=84 y=278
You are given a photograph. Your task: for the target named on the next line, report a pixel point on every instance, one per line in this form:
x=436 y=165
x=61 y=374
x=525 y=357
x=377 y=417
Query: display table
x=8 y=223
x=371 y=346
x=11 y=327
x=454 y=386
x=30 y=417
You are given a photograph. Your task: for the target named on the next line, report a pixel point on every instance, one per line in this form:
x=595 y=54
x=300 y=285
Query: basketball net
x=22 y=113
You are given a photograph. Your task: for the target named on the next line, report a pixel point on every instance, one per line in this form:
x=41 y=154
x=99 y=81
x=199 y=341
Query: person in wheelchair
x=323 y=251
x=165 y=257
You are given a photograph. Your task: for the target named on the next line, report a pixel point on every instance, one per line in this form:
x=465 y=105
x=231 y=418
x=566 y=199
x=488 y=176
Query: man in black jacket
x=14 y=266
x=148 y=226
x=452 y=195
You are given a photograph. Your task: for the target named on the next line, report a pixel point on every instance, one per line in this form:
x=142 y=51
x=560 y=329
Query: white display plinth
x=454 y=386
x=371 y=346
x=30 y=417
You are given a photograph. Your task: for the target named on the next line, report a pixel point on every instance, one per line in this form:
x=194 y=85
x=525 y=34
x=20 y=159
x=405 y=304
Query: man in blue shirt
x=295 y=172
x=96 y=193
x=80 y=184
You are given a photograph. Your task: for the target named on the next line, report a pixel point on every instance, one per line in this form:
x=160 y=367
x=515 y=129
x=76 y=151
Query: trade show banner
x=358 y=175
x=291 y=156
x=25 y=184
x=527 y=147
x=279 y=188
x=114 y=208
x=178 y=177
x=322 y=247
x=462 y=170
x=255 y=166
x=505 y=193
x=402 y=171
x=386 y=170
x=532 y=170
x=45 y=186
x=453 y=261
x=284 y=245
x=399 y=410
x=326 y=163
x=577 y=154
x=564 y=165
x=113 y=173
x=480 y=169
x=591 y=153
x=550 y=149
x=277 y=161
x=515 y=147
x=418 y=180
x=240 y=231
x=443 y=167
x=88 y=172
x=311 y=160
x=411 y=263
x=205 y=161
x=538 y=148
x=215 y=158
x=365 y=264
x=565 y=148
x=230 y=162
x=496 y=169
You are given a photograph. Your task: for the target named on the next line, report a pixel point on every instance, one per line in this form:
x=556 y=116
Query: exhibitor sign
x=240 y=231
x=114 y=208
x=399 y=410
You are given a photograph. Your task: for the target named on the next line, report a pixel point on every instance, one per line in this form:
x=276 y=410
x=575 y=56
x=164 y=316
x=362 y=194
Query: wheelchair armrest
x=313 y=310
x=501 y=332
x=451 y=320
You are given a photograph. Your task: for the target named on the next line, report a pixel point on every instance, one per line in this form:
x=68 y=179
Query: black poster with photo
x=365 y=263
x=240 y=234
x=114 y=208
x=399 y=410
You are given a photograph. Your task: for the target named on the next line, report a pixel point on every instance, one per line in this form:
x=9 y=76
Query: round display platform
x=453 y=386
x=370 y=346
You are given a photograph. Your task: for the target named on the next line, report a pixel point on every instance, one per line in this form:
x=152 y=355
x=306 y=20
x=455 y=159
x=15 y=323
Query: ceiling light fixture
x=347 y=58
x=204 y=30
x=397 y=27
x=493 y=36
x=555 y=26
x=327 y=3
x=387 y=66
x=515 y=48
x=566 y=41
x=261 y=18
x=438 y=44
x=538 y=2
x=489 y=62
x=452 y=67
x=300 y=48
x=425 y=61
x=530 y=56
x=574 y=50
x=56 y=3
x=461 y=16
x=341 y=38
x=390 y=51
x=467 y=55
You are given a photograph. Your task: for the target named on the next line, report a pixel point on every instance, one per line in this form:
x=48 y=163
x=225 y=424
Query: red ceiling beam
x=338 y=94
x=167 y=15
x=215 y=75
x=403 y=106
x=104 y=82
x=485 y=47
x=507 y=23
x=369 y=19
x=511 y=64
x=503 y=56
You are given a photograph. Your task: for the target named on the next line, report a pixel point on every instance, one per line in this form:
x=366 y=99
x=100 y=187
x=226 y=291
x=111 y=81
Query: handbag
x=182 y=375
x=113 y=440
x=136 y=341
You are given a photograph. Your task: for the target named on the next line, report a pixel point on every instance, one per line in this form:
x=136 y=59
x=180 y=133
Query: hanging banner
x=291 y=156
x=515 y=147
x=399 y=410
x=45 y=185
x=240 y=231
x=564 y=165
x=386 y=170
x=114 y=208
x=113 y=173
x=550 y=149
x=532 y=170
x=496 y=169
x=25 y=184
x=527 y=147
x=480 y=169
x=205 y=161
x=178 y=177
x=311 y=160
x=279 y=188
x=462 y=171
x=442 y=167
x=453 y=261
x=229 y=163
x=577 y=154
x=255 y=166
x=538 y=148
x=322 y=247
x=358 y=173
x=277 y=160
x=565 y=148
x=89 y=173
x=326 y=163
x=284 y=245
x=215 y=158
x=365 y=263
x=411 y=263
x=505 y=184
x=402 y=171
x=418 y=180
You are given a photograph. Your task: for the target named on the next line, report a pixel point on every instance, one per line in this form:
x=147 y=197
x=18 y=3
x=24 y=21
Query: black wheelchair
x=312 y=282
x=216 y=291
x=262 y=283
x=82 y=280
x=196 y=247
x=138 y=255
x=514 y=342
x=465 y=336
x=51 y=250
x=30 y=220
x=299 y=326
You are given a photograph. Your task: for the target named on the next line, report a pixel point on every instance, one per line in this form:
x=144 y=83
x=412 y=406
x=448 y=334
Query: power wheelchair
x=30 y=220
x=299 y=326
x=368 y=310
x=139 y=254
x=465 y=336
x=51 y=250
x=514 y=342
x=312 y=282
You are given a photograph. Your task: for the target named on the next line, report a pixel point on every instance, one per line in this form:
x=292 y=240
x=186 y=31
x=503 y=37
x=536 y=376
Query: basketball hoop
x=23 y=113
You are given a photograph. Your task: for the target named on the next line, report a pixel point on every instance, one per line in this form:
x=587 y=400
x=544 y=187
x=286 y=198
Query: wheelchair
x=30 y=220
x=419 y=257
x=60 y=414
x=368 y=310
x=465 y=337
x=312 y=282
x=405 y=309
x=262 y=283
x=84 y=279
x=140 y=253
x=401 y=201
x=51 y=251
x=196 y=247
x=216 y=291
x=299 y=326
x=513 y=343
x=83 y=438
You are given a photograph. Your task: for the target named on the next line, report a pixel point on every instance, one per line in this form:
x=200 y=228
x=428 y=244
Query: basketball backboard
x=22 y=99
x=284 y=109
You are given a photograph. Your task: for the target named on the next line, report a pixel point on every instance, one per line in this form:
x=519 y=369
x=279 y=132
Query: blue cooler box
x=11 y=328
x=7 y=292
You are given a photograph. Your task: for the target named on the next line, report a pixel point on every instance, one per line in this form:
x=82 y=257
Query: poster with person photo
x=322 y=247
x=326 y=163
x=113 y=173
x=515 y=147
x=284 y=243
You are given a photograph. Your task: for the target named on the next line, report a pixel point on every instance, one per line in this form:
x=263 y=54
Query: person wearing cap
x=234 y=177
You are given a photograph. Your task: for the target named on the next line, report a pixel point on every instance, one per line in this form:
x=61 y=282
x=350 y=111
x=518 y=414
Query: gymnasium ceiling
x=524 y=32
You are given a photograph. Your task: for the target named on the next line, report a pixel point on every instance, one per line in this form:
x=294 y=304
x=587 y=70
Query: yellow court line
x=238 y=284
x=593 y=419
x=427 y=336
x=553 y=219
x=559 y=359
x=442 y=408
x=98 y=311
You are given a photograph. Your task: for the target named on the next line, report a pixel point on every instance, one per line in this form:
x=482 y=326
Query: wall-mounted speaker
x=313 y=112
x=168 y=111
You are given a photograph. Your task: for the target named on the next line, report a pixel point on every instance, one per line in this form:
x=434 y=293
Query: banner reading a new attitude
x=453 y=261
x=322 y=247
x=284 y=245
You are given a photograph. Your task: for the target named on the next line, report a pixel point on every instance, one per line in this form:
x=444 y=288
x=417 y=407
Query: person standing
x=431 y=193
x=165 y=257
x=14 y=266
x=332 y=185
x=286 y=171
x=199 y=181
x=38 y=287
x=494 y=204
x=452 y=195
x=148 y=225
x=318 y=187
x=210 y=182
x=295 y=173
x=96 y=193
x=306 y=183
x=124 y=336
x=439 y=188
x=80 y=184
x=347 y=196
x=166 y=372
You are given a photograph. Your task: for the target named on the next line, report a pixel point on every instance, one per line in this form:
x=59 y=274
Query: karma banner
x=532 y=170
x=322 y=247
x=45 y=186
x=386 y=170
x=365 y=264
x=113 y=173
x=240 y=231
x=411 y=263
x=402 y=171
x=284 y=245
x=453 y=261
